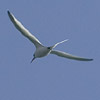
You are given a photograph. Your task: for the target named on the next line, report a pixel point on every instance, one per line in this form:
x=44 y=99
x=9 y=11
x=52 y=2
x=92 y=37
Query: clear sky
x=51 y=77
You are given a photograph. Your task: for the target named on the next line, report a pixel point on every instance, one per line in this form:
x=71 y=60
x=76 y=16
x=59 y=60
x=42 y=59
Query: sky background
x=52 y=77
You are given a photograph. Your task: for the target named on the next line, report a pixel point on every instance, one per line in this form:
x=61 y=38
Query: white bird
x=41 y=50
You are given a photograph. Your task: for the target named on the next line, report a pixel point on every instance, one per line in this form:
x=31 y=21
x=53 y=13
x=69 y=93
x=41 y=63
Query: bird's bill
x=32 y=59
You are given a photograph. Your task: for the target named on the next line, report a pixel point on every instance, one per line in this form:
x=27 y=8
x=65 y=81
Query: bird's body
x=41 y=50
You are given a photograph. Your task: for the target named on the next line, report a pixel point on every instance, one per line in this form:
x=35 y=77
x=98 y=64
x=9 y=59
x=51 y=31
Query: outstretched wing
x=59 y=43
x=23 y=30
x=69 y=56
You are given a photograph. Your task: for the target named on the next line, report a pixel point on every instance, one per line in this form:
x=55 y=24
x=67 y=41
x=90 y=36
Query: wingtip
x=91 y=59
x=10 y=15
x=8 y=12
x=67 y=39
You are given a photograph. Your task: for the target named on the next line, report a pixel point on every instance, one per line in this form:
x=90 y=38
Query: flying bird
x=42 y=50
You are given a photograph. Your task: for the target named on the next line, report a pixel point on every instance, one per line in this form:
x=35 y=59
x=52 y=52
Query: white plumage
x=41 y=50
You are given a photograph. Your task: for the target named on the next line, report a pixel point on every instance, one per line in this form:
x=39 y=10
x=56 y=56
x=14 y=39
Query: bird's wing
x=59 y=43
x=67 y=55
x=24 y=31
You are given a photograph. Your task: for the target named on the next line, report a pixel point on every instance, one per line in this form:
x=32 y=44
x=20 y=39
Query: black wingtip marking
x=8 y=11
x=91 y=59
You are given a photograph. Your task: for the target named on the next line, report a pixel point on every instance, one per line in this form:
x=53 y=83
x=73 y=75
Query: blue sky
x=52 y=77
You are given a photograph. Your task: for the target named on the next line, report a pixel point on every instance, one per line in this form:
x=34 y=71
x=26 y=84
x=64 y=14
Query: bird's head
x=50 y=48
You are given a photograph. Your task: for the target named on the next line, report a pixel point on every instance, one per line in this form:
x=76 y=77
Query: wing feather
x=23 y=30
x=69 y=56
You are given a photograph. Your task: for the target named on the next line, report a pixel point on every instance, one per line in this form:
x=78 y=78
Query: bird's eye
x=48 y=47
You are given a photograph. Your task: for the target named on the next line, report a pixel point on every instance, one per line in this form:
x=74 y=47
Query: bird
x=42 y=50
